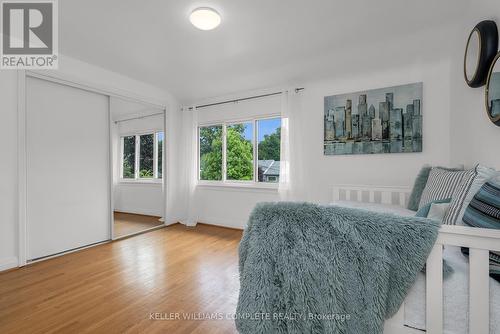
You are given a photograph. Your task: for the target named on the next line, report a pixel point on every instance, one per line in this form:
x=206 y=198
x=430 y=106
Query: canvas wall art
x=385 y=120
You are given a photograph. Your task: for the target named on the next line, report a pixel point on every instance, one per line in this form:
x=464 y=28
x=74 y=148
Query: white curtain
x=291 y=186
x=191 y=145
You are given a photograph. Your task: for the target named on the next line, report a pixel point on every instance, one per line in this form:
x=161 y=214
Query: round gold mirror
x=471 y=61
x=493 y=91
x=482 y=46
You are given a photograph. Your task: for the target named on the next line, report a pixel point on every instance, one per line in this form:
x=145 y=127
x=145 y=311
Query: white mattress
x=455 y=287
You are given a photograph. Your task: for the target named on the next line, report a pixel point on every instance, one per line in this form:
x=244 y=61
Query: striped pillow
x=441 y=184
x=484 y=211
x=458 y=197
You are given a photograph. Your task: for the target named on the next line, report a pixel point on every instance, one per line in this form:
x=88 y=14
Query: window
x=159 y=158
x=269 y=149
x=247 y=151
x=239 y=152
x=142 y=156
x=210 y=153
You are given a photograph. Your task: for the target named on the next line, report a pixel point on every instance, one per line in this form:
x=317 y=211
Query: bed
x=457 y=305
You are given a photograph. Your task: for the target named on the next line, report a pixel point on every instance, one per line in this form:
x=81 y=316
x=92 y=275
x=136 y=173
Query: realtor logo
x=29 y=35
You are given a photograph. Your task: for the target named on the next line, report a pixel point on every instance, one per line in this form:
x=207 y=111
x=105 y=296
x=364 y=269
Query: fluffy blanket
x=306 y=268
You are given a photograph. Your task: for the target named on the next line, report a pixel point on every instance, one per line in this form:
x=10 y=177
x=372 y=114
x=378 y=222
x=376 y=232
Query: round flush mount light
x=205 y=18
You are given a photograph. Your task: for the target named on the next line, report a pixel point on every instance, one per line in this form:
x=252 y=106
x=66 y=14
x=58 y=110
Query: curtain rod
x=139 y=117
x=241 y=99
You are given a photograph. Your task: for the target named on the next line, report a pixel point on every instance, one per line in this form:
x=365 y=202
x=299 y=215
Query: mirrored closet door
x=137 y=144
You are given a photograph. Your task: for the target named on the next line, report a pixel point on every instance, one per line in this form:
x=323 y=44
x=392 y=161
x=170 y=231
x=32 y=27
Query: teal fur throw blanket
x=307 y=268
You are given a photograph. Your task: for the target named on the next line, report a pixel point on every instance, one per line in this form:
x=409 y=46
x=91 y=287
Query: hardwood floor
x=118 y=287
x=128 y=223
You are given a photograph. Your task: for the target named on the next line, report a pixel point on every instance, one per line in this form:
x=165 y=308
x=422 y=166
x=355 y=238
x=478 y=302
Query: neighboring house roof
x=270 y=167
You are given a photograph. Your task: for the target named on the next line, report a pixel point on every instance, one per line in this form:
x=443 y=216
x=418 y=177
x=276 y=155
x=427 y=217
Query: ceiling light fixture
x=205 y=18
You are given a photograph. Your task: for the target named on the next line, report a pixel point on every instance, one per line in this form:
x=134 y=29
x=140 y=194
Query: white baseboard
x=223 y=222
x=8 y=263
x=140 y=212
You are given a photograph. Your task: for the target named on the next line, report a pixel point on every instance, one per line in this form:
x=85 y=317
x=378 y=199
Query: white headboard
x=372 y=194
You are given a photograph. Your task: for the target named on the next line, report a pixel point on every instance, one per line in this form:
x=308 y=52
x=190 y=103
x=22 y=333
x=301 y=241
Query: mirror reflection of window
x=146 y=154
x=138 y=159
x=159 y=142
x=129 y=157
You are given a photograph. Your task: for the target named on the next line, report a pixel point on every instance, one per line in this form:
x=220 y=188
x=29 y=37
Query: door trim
x=22 y=167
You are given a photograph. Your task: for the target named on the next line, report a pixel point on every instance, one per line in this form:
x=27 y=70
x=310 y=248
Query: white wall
x=8 y=169
x=378 y=169
x=136 y=197
x=474 y=137
x=82 y=72
x=230 y=207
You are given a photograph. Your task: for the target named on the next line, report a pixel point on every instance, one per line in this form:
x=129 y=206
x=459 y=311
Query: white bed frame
x=479 y=240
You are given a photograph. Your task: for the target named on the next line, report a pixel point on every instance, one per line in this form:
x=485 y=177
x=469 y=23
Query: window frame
x=254 y=183
x=137 y=135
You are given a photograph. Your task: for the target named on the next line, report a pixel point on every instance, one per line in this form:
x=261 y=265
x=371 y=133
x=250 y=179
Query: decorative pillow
x=418 y=187
x=424 y=211
x=459 y=195
x=484 y=211
x=441 y=184
x=438 y=211
x=484 y=174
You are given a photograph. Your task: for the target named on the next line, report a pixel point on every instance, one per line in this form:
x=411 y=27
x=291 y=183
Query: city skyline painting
x=384 y=120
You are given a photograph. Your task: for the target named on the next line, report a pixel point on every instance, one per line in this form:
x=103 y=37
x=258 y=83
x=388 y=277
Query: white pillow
x=437 y=211
x=484 y=174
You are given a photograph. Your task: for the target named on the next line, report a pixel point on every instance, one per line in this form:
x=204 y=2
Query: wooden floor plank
x=114 y=287
x=130 y=223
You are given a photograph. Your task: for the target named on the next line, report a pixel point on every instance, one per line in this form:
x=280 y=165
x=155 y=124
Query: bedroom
x=222 y=93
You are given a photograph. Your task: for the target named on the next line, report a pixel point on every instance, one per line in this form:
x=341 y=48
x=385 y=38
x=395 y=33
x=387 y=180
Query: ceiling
x=260 y=43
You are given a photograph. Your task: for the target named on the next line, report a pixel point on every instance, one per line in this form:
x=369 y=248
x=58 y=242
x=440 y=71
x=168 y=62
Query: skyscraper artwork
x=385 y=120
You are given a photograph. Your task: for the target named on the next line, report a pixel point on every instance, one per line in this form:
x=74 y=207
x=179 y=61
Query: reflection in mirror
x=493 y=95
x=138 y=161
x=472 y=55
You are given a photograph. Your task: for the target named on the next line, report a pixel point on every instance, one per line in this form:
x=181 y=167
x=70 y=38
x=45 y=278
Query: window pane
x=211 y=153
x=128 y=157
x=146 y=156
x=269 y=132
x=160 y=153
x=239 y=152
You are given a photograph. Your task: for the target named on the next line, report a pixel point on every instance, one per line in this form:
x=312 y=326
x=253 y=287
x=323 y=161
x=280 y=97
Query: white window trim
x=242 y=184
x=137 y=135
